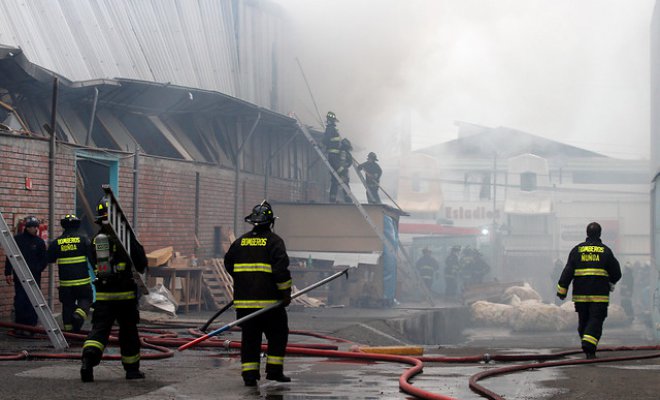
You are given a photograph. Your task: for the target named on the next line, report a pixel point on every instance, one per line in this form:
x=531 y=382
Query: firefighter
x=345 y=163
x=332 y=143
x=259 y=265
x=372 y=174
x=33 y=249
x=71 y=251
x=594 y=271
x=116 y=300
x=427 y=267
x=452 y=272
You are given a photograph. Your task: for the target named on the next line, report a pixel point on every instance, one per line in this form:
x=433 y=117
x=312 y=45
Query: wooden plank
x=160 y=257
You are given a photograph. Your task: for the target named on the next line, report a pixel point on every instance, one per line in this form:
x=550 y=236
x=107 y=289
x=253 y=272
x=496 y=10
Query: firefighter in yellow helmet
x=116 y=300
x=259 y=264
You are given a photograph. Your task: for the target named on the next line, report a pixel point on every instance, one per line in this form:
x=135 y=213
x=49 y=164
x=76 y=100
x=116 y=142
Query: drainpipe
x=51 y=188
x=136 y=170
x=237 y=168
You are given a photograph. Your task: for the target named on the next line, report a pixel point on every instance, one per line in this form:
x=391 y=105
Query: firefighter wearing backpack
x=116 y=300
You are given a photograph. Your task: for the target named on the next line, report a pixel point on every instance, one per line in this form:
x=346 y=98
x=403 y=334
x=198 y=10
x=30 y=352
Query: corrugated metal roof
x=230 y=46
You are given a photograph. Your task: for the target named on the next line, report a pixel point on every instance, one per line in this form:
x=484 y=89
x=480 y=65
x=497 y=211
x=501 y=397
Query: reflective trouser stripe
x=275 y=360
x=94 y=343
x=81 y=312
x=130 y=359
x=250 y=366
x=590 y=339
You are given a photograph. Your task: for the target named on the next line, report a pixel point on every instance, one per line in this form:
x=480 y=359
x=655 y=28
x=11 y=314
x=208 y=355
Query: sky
x=574 y=71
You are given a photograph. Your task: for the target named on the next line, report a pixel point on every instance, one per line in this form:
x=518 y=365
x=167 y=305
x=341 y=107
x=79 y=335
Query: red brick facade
x=166 y=197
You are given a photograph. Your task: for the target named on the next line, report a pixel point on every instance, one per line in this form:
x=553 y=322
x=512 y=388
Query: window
x=528 y=181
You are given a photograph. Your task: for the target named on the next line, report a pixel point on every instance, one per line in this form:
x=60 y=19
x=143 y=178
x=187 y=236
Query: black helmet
x=102 y=209
x=372 y=156
x=31 y=221
x=331 y=117
x=70 y=221
x=593 y=230
x=262 y=214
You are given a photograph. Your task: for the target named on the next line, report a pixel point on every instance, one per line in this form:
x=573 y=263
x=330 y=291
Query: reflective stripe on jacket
x=591 y=266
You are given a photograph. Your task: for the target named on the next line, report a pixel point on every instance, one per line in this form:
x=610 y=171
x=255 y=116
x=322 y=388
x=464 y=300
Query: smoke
x=571 y=71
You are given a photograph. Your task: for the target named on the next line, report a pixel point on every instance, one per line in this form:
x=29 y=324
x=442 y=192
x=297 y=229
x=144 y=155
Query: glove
x=612 y=285
x=286 y=298
x=561 y=296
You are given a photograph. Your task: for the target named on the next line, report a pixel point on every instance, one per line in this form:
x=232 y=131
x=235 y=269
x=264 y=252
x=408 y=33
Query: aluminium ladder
x=117 y=225
x=31 y=287
x=413 y=272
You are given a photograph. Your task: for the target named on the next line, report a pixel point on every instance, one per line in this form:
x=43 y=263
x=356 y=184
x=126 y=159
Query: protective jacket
x=332 y=143
x=373 y=172
x=259 y=265
x=591 y=266
x=71 y=251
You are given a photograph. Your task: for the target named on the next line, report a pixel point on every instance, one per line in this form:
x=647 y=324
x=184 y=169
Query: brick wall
x=166 y=197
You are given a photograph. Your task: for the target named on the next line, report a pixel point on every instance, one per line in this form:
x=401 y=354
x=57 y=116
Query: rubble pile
x=521 y=309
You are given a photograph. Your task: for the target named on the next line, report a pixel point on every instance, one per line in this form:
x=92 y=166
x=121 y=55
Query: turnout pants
x=126 y=313
x=76 y=301
x=274 y=324
x=590 y=324
x=23 y=309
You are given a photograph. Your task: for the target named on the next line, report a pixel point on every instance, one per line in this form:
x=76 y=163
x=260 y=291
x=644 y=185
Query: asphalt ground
x=214 y=373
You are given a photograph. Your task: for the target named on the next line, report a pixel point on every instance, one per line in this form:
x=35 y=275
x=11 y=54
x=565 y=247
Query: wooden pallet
x=218 y=284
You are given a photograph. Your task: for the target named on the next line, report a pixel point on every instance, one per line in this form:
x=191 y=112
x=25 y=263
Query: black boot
x=250 y=378
x=135 y=374
x=277 y=376
x=86 y=371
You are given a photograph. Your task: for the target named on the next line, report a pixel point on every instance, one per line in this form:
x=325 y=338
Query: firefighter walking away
x=116 y=300
x=594 y=271
x=71 y=251
x=260 y=267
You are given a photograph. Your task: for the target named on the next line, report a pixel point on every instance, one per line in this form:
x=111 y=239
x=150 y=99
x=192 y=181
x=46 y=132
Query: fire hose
x=165 y=339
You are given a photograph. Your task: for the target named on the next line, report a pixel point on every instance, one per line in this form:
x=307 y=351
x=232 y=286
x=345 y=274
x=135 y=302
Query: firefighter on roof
x=332 y=143
x=260 y=267
x=372 y=174
x=594 y=271
x=116 y=300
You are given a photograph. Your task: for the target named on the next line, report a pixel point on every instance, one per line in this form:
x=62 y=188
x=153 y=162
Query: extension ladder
x=408 y=263
x=31 y=287
x=120 y=229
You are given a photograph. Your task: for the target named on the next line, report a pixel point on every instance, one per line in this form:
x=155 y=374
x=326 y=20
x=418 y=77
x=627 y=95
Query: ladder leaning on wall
x=31 y=287
x=409 y=268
